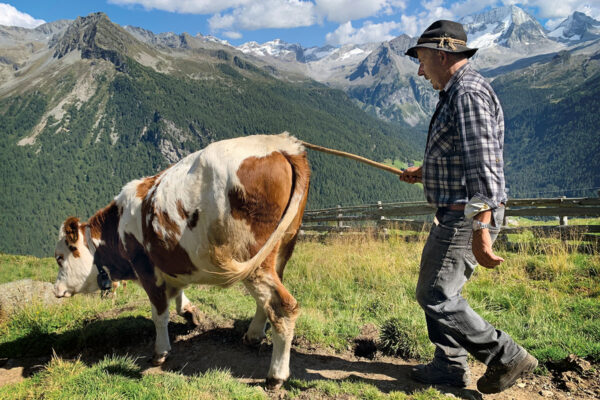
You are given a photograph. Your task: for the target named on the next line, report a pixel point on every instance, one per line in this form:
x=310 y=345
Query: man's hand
x=482 y=249
x=412 y=175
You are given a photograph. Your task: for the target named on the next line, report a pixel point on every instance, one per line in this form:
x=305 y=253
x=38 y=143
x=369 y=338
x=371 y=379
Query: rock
x=572 y=363
x=14 y=296
x=546 y=393
x=521 y=385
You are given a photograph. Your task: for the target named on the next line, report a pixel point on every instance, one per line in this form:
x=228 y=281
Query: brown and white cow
x=227 y=213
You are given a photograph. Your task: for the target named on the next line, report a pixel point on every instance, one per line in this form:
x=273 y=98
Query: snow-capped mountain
x=578 y=27
x=381 y=78
x=510 y=27
x=286 y=51
x=276 y=48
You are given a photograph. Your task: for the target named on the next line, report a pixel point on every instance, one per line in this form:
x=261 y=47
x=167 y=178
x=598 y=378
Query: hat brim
x=412 y=52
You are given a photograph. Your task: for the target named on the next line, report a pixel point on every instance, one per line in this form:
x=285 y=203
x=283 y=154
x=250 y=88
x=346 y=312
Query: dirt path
x=219 y=345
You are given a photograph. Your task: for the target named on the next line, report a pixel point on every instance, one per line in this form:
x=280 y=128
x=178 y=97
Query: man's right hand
x=412 y=175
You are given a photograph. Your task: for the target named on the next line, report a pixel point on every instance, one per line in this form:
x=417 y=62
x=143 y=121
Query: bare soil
x=219 y=345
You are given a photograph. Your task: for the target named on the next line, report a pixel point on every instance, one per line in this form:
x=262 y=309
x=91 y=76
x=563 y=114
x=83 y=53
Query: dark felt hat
x=443 y=35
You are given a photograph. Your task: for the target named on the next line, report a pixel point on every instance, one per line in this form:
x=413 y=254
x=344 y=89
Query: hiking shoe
x=500 y=377
x=433 y=375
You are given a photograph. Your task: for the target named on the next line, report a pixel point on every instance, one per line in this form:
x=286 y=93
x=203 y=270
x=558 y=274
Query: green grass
x=121 y=378
x=546 y=296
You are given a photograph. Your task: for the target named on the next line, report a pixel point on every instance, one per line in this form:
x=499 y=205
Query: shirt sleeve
x=481 y=150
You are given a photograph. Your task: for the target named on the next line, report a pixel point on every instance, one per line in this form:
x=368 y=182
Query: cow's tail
x=233 y=270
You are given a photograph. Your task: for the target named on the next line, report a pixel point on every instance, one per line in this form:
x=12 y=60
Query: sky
x=307 y=22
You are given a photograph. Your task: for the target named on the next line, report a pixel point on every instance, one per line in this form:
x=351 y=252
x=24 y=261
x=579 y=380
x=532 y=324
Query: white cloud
x=185 y=6
x=560 y=9
x=347 y=10
x=232 y=35
x=266 y=14
x=410 y=25
x=369 y=32
x=10 y=16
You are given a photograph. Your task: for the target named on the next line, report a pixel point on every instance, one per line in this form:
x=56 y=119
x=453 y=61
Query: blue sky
x=308 y=22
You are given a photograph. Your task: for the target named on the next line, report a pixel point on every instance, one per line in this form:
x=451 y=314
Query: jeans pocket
x=443 y=233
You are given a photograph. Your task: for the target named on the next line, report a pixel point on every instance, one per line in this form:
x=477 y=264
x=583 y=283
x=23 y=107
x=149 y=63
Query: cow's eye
x=72 y=248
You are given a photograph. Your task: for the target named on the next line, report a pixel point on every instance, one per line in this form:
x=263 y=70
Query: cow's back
x=225 y=199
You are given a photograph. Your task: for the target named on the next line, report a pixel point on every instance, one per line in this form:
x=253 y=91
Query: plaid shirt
x=463 y=157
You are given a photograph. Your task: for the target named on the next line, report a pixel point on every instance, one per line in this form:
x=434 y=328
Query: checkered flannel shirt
x=463 y=158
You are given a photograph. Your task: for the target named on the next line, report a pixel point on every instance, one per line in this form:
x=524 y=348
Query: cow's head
x=76 y=270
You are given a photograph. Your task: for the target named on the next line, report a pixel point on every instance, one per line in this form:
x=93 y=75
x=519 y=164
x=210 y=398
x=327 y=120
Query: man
x=462 y=175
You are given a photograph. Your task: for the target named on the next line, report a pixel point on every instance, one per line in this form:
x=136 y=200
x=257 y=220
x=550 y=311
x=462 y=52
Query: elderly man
x=462 y=175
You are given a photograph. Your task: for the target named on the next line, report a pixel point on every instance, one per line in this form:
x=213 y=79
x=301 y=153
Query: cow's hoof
x=192 y=316
x=274 y=383
x=252 y=341
x=159 y=359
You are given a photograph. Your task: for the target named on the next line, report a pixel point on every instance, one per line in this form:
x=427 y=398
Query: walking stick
x=353 y=157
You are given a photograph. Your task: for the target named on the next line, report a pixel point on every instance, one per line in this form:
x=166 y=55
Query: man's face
x=430 y=66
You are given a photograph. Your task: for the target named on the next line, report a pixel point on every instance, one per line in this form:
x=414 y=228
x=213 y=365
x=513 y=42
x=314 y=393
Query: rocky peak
x=577 y=27
x=509 y=26
x=96 y=37
x=275 y=48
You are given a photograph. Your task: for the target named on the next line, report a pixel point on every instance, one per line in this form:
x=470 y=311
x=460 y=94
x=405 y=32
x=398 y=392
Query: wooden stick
x=353 y=157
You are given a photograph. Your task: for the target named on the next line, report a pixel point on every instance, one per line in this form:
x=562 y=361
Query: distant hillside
x=552 y=120
x=95 y=118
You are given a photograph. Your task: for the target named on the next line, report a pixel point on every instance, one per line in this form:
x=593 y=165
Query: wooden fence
x=415 y=216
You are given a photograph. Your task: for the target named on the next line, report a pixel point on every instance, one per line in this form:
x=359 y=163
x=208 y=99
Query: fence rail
x=383 y=215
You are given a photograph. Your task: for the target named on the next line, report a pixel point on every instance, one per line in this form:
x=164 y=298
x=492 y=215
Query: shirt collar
x=455 y=77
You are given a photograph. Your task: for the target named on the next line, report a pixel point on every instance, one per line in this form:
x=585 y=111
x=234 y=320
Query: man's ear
x=443 y=56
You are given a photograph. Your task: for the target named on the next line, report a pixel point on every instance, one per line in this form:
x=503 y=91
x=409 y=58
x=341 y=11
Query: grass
x=546 y=296
x=117 y=377
x=121 y=378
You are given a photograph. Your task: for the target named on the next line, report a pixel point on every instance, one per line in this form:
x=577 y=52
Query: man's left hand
x=482 y=249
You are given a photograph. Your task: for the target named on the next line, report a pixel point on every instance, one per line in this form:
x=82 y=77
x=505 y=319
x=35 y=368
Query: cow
x=227 y=213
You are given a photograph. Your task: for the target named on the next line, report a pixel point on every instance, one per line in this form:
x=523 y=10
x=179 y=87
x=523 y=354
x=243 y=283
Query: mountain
x=577 y=27
x=551 y=126
x=383 y=80
x=86 y=106
x=505 y=35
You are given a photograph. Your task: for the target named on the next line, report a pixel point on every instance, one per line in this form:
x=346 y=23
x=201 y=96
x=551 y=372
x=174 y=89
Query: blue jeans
x=454 y=328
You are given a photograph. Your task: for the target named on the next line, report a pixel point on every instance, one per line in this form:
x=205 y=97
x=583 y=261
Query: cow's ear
x=71 y=227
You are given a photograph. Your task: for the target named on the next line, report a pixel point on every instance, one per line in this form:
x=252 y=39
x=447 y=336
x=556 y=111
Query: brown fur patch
x=165 y=252
x=267 y=185
x=181 y=210
x=110 y=253
x=71 y=228
x=144 y=270
x=147 y=184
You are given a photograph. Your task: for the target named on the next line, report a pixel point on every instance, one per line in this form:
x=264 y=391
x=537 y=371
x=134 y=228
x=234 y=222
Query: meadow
x=546 y=296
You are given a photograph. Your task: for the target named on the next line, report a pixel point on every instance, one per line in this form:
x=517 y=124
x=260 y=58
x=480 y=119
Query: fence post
x=562 y=219
x=380 y=223
x=340 y=223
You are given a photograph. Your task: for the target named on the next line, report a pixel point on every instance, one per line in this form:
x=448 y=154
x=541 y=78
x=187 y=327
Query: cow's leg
x=256 y=331
x=186 y=309
x=285 y=251
x=162 y=346
x=282 y=310
x=159 y=298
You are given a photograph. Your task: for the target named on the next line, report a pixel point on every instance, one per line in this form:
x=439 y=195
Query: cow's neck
x=103 y=227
